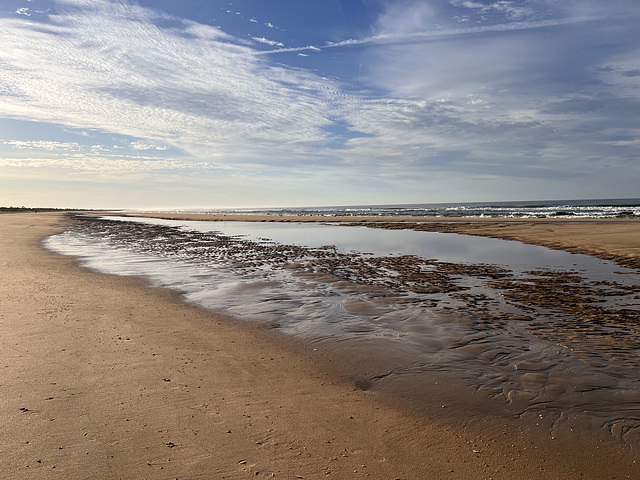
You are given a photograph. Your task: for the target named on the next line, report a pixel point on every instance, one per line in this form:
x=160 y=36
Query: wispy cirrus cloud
x=41 y=145
x=117 y=68
x=499 y=98
x=146 y=146
x=511 y=10
x=109 y=165
x=401 y=38
x=266 y=41
x=91 y=158
x=415 y=21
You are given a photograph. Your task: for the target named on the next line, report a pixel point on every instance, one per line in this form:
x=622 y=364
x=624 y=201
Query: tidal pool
x=540 y=330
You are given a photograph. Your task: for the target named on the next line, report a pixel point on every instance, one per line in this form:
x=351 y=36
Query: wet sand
x=104 y=377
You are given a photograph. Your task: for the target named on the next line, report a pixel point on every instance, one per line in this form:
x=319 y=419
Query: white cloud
x=41 y=145
x=205 y=32
x=467 y=4
x=89 y=168
x=511 y=10
x=635 y=142
x=146 y=146
x=268 y=42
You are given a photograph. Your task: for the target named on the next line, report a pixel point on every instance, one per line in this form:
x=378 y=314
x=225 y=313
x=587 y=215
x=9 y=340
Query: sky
x=159 y=104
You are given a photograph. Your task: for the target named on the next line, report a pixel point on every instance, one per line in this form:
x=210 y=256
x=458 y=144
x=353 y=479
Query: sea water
x=598 y=208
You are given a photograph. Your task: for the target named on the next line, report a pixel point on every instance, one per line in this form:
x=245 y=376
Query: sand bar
x=104 y=377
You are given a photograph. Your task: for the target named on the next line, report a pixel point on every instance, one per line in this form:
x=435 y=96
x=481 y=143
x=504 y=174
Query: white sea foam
x=610 y=208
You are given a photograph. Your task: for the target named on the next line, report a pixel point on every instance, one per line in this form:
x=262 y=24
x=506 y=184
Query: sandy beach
x=105 y=377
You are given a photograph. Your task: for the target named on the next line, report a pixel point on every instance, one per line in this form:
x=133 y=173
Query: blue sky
x=256 y=103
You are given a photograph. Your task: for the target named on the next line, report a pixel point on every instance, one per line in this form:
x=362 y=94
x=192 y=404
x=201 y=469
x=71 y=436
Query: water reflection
x=545 y=330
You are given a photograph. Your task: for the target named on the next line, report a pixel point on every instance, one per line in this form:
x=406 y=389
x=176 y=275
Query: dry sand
x=103 y=377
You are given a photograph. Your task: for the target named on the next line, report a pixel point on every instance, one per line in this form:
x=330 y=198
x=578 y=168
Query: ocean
x=544 y=332
x=607 y=208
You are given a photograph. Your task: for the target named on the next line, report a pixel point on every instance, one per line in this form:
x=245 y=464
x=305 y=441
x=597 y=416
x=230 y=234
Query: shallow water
x=446 y=301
